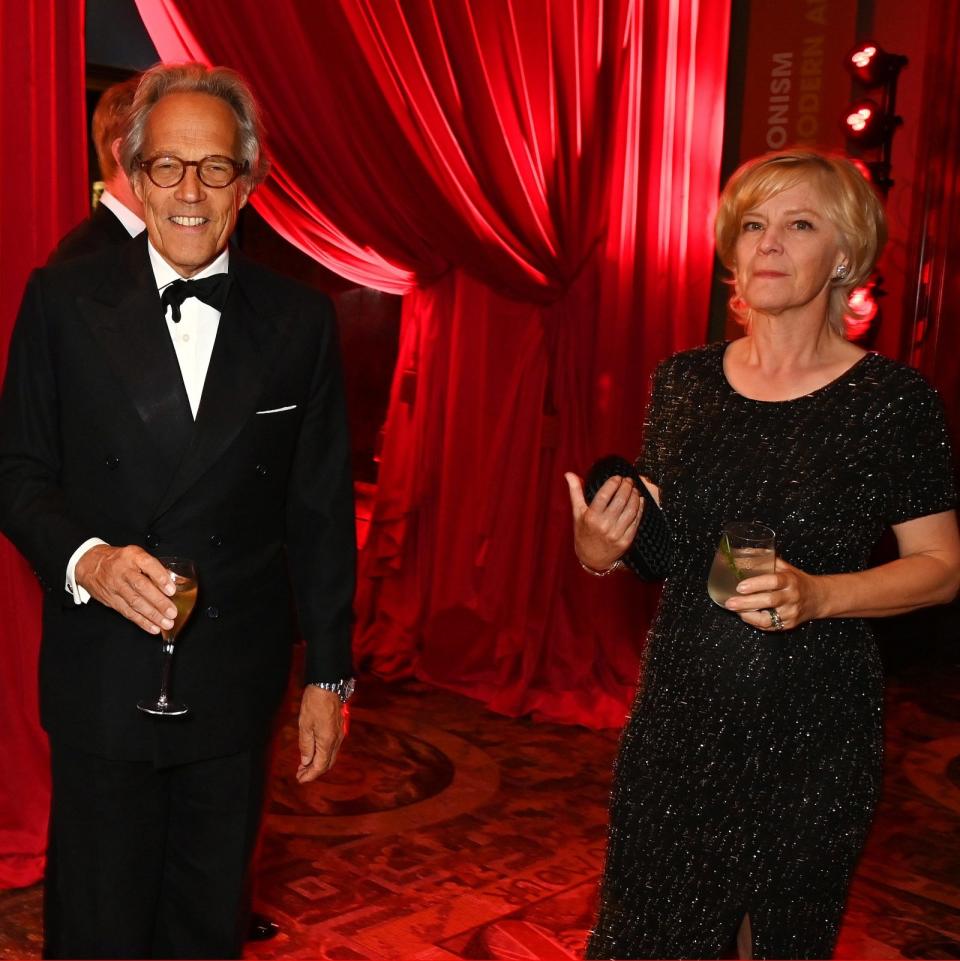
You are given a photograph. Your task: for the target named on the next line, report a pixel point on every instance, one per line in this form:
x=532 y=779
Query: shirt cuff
x=80 y=596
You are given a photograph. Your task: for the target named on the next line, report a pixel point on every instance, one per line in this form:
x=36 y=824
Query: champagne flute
x=183 y=574
x=746 y=549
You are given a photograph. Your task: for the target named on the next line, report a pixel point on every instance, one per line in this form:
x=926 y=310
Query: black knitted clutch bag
x=650 y=556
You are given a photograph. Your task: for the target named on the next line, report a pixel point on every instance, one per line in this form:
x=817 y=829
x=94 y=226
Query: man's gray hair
x=221 y=82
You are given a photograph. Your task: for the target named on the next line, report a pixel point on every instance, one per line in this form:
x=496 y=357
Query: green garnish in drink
x=727 y=552
x=746 y=549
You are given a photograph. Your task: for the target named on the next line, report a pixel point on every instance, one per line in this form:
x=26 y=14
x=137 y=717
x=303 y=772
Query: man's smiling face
x=189 y=224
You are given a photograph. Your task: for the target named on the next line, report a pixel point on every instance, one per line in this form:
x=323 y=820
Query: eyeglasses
x=213 y=171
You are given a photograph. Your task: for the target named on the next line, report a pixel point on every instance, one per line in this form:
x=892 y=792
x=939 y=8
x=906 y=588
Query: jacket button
x=212 y=612
x=216 y=540
x=261 y=469
x=152 y=539
x=112 y=462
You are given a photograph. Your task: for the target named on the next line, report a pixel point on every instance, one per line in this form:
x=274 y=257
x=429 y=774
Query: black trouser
x=146 y=862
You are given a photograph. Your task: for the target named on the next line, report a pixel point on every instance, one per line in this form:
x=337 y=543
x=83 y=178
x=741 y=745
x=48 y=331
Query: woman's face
x=787 y=252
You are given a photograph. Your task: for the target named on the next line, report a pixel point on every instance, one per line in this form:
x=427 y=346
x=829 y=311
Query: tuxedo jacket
x=101 y=229
x=97 y=440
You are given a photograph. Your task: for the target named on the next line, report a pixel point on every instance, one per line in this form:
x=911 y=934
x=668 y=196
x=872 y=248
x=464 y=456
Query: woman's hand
x=605 y=528
x=795 y=596
x=927 y=572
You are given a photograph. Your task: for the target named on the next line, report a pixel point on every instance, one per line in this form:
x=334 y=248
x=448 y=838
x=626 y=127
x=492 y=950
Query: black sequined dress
x=750 y=766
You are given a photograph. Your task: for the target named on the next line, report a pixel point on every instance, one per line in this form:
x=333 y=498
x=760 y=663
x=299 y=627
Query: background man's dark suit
x=101 y=229
x=108 y=126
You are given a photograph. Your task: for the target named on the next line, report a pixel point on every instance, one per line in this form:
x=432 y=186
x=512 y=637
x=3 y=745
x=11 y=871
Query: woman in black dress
x=750 y=766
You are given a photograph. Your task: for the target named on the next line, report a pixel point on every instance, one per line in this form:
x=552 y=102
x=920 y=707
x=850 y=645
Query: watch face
x=347 y=688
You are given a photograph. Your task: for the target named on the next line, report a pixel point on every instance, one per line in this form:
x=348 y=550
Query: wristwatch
x=343 y=688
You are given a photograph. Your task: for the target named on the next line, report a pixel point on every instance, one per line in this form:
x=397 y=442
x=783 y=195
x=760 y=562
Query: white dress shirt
x=193 y=339
x=131 y=222
x=194 y=335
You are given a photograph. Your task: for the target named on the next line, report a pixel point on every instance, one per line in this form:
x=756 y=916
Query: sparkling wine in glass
x=183 y=574
x=746 y=549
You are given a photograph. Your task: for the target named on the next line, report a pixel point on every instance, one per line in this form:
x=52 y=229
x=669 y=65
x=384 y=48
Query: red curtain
x=539 y=178
x=43 y=173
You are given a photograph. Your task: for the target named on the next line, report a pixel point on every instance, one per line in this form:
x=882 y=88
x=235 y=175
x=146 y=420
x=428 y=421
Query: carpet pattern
x=446 y=831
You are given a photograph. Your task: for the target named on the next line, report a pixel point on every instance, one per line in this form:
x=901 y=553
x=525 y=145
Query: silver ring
x=775 y=621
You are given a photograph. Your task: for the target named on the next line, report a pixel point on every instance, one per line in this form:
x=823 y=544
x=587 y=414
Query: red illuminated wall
x=931 y=330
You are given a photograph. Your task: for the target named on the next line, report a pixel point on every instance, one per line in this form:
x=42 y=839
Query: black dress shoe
x=261 y=928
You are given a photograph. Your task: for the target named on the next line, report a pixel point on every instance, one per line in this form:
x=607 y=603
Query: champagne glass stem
x=167 y=661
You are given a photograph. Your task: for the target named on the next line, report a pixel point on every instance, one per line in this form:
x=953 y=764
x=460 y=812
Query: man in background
x=119 y=214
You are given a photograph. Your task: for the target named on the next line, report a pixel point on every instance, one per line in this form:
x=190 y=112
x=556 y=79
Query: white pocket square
x=278 y=410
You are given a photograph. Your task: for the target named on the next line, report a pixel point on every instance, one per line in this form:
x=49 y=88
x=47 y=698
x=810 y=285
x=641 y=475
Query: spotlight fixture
x=872 y=65
x=869 y=124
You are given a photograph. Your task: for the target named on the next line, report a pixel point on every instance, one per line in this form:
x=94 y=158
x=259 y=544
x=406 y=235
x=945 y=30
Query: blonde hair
x=849 y=203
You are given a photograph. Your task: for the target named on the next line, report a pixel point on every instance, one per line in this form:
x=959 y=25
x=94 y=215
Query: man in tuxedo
x=119 y=214
x=117 y=217
x=170 y=397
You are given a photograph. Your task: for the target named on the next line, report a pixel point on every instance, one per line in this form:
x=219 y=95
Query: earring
x=842 y=272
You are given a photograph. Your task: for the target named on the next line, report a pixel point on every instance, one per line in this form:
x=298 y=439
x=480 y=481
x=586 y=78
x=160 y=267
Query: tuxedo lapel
x=126 y=317
x=244 y=351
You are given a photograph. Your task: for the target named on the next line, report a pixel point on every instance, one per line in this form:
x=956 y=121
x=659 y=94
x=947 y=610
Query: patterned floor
x=449 y=832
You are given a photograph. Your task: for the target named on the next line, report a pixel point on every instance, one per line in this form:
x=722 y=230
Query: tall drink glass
x=183 y=574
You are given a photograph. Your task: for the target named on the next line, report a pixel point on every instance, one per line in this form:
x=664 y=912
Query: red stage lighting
x=868 y=123
x=862 y=309
x=864 y=169
x=862 y=56
x=871 y=123
x=860 y=118
x=872 y=65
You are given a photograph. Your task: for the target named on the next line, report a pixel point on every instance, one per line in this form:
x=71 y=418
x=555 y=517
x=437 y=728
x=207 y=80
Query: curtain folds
x=538 y=177
x=43 y=171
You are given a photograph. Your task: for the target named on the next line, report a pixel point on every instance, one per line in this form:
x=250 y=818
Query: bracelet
x=614 y=567
x=343 y=688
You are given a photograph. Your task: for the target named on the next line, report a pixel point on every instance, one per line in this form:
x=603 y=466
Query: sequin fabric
x=750 y=765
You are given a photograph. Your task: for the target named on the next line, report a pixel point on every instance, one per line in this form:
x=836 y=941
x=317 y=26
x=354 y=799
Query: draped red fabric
x=538 y=177
x=42 y=169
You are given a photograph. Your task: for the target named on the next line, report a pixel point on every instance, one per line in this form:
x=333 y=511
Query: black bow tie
x=211 y=290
